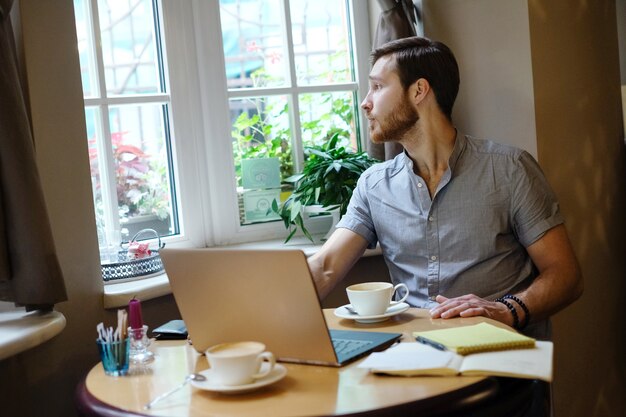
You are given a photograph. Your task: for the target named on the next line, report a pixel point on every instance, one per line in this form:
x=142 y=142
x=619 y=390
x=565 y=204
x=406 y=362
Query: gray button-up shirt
x=491 y=203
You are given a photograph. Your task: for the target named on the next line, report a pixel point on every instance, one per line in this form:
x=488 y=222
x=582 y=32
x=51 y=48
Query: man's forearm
x=559 y=282
x=324 y=279
x=553 y=290
x=334 y=259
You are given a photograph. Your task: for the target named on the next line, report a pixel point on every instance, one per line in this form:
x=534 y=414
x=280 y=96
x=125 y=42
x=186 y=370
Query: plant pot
x=320 y=219
x=148 y=221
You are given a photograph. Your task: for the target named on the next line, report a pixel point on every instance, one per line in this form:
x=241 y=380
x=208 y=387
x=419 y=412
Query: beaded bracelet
x=521 y=304
x=512 y=309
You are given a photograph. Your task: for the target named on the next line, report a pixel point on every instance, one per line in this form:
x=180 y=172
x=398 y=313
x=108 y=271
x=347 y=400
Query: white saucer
x=210 y=384
x=344 y=313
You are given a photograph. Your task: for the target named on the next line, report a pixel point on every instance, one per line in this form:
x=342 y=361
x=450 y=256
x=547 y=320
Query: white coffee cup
x=239 y=363
x=374 y=298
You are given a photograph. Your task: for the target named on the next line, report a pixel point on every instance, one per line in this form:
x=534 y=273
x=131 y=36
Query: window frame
x=101 y=102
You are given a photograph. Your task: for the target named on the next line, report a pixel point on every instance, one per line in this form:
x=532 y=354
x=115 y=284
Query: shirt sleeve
x=358 y=215
x=535 y=209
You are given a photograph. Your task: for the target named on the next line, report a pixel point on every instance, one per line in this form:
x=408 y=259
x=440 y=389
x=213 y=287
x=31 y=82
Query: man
x=471 y=226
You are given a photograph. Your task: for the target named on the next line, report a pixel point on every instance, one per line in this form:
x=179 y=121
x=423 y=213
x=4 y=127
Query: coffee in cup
x=374 y=298
x=239 y=363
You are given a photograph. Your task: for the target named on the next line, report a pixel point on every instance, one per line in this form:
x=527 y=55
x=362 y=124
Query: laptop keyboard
x=347 y=346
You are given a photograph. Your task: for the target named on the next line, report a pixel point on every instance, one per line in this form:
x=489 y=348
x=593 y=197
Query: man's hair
x=418 y=57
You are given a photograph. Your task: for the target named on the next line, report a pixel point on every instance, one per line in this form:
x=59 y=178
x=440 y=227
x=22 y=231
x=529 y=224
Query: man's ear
x=419 y=90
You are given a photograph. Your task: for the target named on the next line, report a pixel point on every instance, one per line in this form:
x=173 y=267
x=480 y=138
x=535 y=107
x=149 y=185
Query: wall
x=621 y=36
x=54 y=368
x=560 y=97
x=491 y=103
x=581 y=147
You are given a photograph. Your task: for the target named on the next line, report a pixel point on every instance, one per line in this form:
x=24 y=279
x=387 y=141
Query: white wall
x=490 y=39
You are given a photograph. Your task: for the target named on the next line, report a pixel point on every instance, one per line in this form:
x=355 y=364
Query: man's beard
x=401 y=119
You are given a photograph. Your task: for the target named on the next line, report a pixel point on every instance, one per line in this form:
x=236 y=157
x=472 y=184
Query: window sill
x=20 y=331
x=118 y=295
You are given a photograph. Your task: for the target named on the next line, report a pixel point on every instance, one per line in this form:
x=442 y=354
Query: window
x=197 y=110
x=127 y=113
x=290 y=84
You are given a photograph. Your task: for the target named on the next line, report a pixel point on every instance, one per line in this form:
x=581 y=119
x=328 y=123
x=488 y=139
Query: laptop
x=228 y=295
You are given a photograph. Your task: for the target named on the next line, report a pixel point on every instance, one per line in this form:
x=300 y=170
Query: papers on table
x=412 y=356
x=418 y=359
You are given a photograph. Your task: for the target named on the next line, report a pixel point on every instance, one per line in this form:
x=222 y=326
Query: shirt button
x=433 y=258
x=419 y=184
x=431 y=218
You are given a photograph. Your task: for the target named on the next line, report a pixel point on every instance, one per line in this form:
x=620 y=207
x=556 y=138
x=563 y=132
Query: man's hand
x=471 y=305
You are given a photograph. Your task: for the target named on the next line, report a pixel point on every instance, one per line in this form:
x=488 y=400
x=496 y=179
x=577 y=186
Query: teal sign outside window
x=260 y=173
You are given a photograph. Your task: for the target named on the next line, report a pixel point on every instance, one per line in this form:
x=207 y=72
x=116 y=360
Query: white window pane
x=320 y=37
x=85 y=50
x=253 y=39
x=93 y=135
x=263 y=153
x=128 y=47
x=141 y=165
x=324 y=114
x=261 y=129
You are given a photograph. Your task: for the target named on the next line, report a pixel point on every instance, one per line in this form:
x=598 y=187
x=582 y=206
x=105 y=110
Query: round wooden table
x=307 y=390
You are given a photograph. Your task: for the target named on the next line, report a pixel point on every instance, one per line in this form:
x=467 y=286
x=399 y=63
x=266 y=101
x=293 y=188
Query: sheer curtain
x=398 y=19
x=30 y=274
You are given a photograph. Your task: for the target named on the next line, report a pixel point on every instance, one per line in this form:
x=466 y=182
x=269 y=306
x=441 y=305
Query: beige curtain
x=30 y=274
x=398 y=19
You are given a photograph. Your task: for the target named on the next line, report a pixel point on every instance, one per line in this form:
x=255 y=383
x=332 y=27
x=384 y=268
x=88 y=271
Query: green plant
x=262 y=128
x=328 y=178
x=141 y=179
x=324 y=114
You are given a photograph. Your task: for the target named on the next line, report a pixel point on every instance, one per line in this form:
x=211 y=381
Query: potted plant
x=328 y=178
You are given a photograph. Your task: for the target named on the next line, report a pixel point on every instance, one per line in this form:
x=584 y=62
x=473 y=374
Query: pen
x=428 y=342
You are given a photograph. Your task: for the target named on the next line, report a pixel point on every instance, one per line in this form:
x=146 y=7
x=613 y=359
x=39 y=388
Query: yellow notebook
x=482 y=337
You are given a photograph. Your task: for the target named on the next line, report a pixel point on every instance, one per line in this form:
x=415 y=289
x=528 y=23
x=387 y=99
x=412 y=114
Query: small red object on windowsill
x=138 y=250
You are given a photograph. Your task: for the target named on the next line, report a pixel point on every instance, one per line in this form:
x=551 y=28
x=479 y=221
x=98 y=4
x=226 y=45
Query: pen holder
x=114 y=356
x=139 y=343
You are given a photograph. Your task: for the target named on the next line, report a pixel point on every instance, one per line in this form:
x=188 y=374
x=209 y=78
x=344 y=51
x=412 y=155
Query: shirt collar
x=459 y=146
